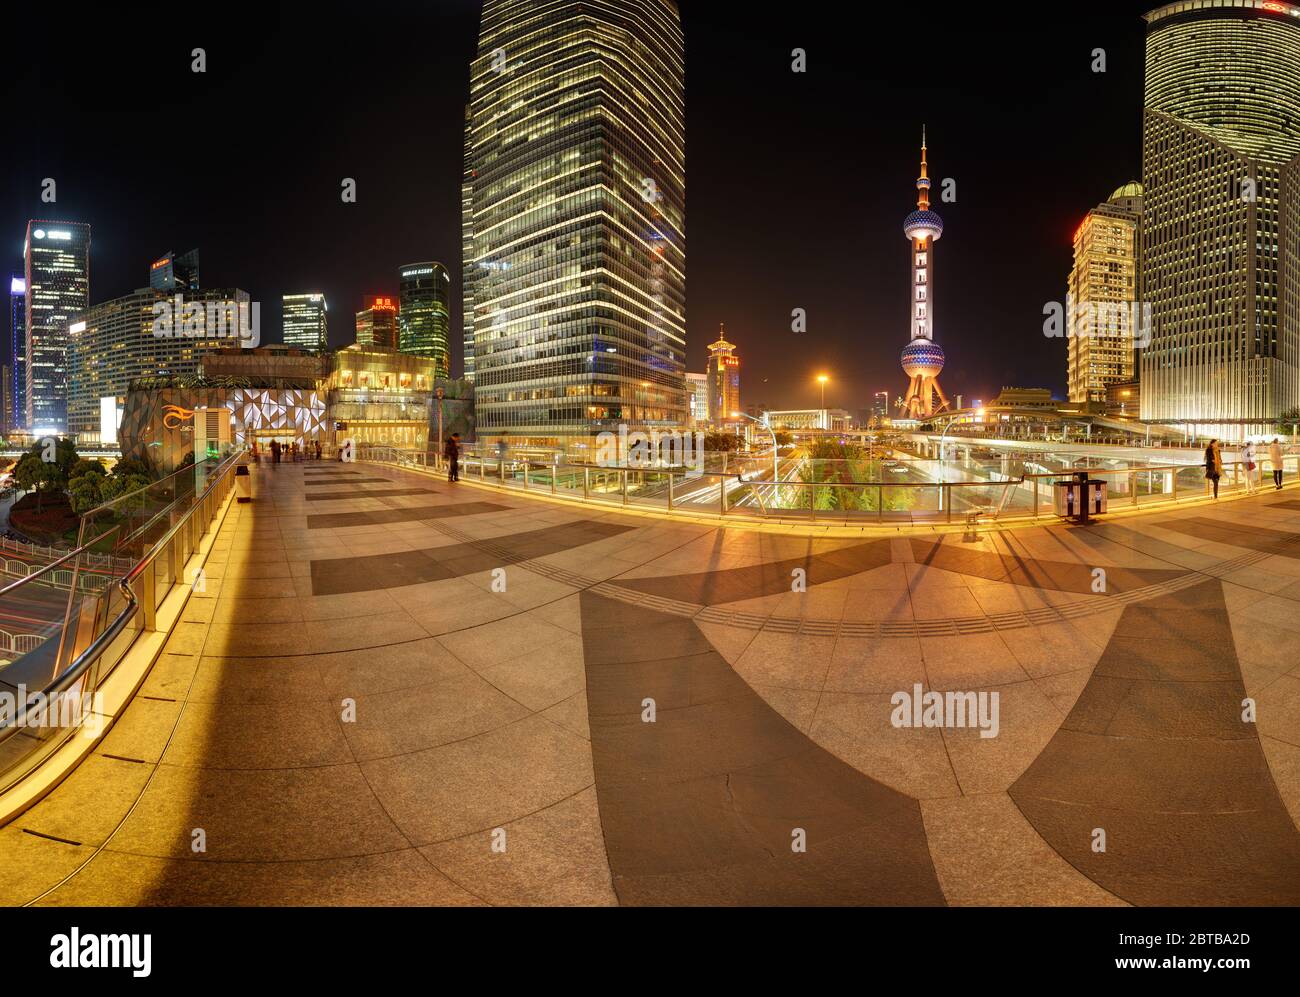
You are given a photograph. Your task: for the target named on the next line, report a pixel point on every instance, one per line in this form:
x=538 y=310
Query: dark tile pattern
x=1222 y=531
x=369 y=493
x=1155 y=753
x=699 y=807
x=405 y=514
x=322 y=479
x=337 y=575
x=709 y=588
x=1063 y=576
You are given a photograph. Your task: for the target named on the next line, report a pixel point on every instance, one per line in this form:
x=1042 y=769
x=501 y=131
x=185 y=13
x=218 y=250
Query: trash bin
x=243 y=484
x=1080 y=498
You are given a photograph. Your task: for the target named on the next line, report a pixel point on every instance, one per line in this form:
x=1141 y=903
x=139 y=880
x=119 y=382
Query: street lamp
x=822 y=379
x=776 y=472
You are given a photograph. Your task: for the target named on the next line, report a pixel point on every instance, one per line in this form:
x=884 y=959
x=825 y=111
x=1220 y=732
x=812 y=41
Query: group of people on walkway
x=1249 y=461
x=288 y=451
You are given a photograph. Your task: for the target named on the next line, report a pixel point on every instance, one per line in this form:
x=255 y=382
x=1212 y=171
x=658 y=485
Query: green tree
x=45 y=468
x=715 y=442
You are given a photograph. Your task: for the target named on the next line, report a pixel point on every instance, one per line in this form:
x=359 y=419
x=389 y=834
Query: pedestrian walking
x=452 y=453
x=1275 y=461
x=1213 y=467
x=1248 y=460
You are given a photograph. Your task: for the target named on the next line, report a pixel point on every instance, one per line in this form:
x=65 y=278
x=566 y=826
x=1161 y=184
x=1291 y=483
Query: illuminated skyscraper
x=468 y=267
x=16 y=354
x=1102 y=292
x=175 y=273
x=57 y=264
x=305 y=320
x=922 y=358
x=1221 y=214
x=377 y=323
x=697 y=398
x=576 y=218
x=424 y=313
x=723 y=373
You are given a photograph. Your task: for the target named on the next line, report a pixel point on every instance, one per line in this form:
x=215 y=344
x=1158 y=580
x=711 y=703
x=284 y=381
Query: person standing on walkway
x=1275 y=461
x=1248 y=460
x=1213 y=467
x=318 y=449
x=452 y=453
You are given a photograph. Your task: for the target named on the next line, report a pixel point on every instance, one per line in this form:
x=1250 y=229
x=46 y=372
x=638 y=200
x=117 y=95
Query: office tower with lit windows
x=922 y=357
x=576 y=196
x=723 y=373
x=1220 y=267
x=377 y=323
x=56 y=259
x=697 y=399
x=1102 y=295
x=113 y=343
x=468 y=267
x=305 y=321
x=175 y=273
x=424 y=313
x=16 y=353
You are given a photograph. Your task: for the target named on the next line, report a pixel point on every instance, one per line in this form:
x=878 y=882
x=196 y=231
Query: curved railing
x=52 y=692
x=754 y=493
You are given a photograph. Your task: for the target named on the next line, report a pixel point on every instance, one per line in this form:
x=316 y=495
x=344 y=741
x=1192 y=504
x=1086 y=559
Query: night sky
x=797 y=184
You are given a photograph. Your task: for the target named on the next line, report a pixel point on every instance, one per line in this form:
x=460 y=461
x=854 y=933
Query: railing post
x=1174 y=479
x=1035 y=497
x=526 y=466
x=586 y=483
x=722 y=492
x=1133 y=486
x=670 y=491
x=944 y=486
x=623 y=472
x=880 y=503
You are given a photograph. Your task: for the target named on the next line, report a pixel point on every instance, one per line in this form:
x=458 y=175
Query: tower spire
x=923 y=181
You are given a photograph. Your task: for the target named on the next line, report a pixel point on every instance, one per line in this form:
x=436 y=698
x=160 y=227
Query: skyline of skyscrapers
x=1220 y=178
x=575 y=219
x=1102 y=293
x=424 y=313
x=305 y=321
x=56 y=266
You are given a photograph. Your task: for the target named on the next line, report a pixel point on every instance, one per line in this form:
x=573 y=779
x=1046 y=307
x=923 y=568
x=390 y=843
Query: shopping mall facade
x=367 y=394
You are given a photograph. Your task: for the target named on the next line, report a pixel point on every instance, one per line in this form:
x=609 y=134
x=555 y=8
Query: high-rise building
x=576 y=177
x=305 y=321
x=1102 y=296
x=57 y=268
x=377 y=322
x=723 y=374
x=16 y=415
x=1220 y=267
x=697 y=398
x=175 y=273
x=922 y=357
x=113 y=343
x=424 y=313
x=468 y=267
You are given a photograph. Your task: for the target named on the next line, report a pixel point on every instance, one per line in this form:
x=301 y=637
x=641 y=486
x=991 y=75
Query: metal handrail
x=81 y=664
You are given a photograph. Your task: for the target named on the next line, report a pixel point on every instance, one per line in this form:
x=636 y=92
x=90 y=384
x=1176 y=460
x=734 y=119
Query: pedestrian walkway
x=396 y=690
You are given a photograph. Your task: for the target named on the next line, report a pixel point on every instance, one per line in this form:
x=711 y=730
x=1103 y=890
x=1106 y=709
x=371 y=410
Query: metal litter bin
x=1079 y=499
x=243 y=484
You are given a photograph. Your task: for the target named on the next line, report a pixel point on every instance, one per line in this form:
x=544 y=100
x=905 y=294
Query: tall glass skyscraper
x=576 y=178
x=377 y=323
x=57 y=262
x=305 y=321
x=424 y=313
x=468 y=268
x=16 y=355
x=1221 y=214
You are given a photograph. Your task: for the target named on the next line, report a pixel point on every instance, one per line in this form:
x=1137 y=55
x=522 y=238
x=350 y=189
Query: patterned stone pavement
x=399 y=691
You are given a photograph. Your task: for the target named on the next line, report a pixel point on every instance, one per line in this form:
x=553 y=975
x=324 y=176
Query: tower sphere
x=924 y=224
x=922 y=357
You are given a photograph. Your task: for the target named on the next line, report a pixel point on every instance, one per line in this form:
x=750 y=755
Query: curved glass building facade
x=575 y=226
x=1220 y=156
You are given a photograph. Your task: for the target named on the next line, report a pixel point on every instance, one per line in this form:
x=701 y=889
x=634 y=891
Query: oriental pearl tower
x=923 y=357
